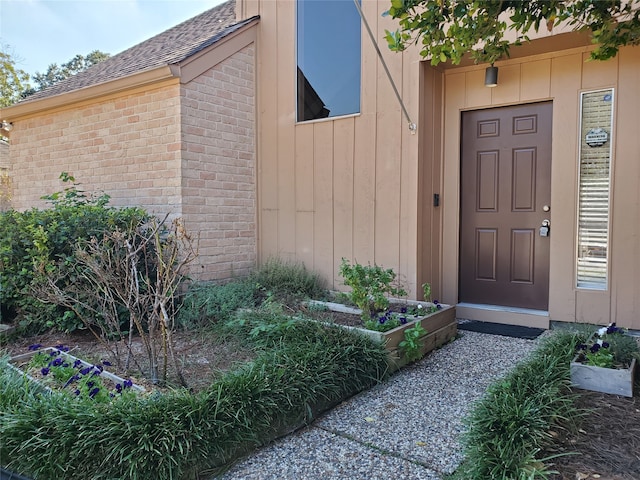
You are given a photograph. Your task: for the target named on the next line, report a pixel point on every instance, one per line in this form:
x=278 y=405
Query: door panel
x=505 y=181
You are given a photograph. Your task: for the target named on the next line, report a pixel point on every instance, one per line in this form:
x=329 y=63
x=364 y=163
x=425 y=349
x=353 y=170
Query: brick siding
x=127 y=147
x=218 y=164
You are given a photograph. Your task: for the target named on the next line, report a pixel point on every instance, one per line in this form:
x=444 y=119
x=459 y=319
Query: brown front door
x=505 y=190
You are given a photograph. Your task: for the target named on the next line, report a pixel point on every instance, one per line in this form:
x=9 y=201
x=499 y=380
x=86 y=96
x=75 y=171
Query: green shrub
x=205 y=303
x=288 y=280
x=370 y=286
x=41 y=242
x=307 y=368
x=511 y=424
x=624 y=348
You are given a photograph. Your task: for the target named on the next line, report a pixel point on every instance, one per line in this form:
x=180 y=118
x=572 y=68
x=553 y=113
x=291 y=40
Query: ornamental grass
x=302 y=369
x=514 y=421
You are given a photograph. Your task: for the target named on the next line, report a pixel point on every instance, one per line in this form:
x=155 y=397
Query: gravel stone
x=408 y=427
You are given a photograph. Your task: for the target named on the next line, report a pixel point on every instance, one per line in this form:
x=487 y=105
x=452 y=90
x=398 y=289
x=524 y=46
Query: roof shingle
x=169 y=47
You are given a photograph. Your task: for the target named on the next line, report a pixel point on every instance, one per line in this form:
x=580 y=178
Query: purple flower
x=403 y=309
x=77 y=392
x=35 y=346
x=128 y=384
x=106 y=363
x=71 y=380
x=86 y=370
x=403 y=320
x=57 y=362
x=45 y=371
x=90 y=384
x=93 y=392
x=605 y=344
x=54 y=353
x=594 y=348
x=118 y=388
x=77 y=363
x=62 y=348
x=96 y=372
x=382 y=319
x=612 y=329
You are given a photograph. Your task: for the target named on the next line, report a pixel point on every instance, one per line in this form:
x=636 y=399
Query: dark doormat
x=516 y=331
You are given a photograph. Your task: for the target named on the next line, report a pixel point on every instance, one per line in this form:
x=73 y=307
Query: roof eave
x=192 y=66
x=146 y=77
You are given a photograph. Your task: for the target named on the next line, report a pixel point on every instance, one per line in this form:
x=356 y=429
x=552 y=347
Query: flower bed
x=55 y=369
x=606 y=363
x=439 y=327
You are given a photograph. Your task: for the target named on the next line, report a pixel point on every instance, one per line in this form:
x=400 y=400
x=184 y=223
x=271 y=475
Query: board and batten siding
x=561 y=77
x=340 y=187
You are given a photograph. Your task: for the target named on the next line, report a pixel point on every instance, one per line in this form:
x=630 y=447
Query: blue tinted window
x=328 y=47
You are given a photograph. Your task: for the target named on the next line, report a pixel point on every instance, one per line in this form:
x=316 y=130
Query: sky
x=38 y=33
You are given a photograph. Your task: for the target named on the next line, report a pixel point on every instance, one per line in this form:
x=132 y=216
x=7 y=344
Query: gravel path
x=407 y=427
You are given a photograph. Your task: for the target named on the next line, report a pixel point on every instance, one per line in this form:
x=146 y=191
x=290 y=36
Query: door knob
x=546 y=208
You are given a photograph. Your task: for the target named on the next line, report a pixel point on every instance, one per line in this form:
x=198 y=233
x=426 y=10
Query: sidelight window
x=594 y=189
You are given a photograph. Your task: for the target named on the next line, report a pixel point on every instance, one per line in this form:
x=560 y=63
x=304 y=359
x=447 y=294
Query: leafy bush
x=304 y=368
x=511 y=424
x=205 y=303
x=370 y=286
x=287 y=280
x=38 y=242
x=275 y=281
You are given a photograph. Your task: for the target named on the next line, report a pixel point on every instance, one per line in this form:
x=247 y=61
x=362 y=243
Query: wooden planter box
x=18 y=363
x=616 y=381
x=441 y=327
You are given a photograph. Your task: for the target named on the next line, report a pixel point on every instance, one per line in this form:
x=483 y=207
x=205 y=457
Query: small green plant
x=426 y=292
x=385 y=321
x=609 y=347
x=370 y=287
x=410 y=346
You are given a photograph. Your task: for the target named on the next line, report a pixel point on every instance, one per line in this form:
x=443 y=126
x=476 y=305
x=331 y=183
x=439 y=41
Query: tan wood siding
x=362 y=187
x=625 y=220
x=342 y=187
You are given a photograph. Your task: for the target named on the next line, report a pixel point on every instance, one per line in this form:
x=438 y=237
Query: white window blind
x=593 y=191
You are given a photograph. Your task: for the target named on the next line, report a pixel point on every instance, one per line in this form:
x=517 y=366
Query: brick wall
x=218 y=166
x=5 y=183
x=127 y=146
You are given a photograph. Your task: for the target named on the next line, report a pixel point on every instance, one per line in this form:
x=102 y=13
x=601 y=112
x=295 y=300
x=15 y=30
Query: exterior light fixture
x=491 y=76
x=6 y=126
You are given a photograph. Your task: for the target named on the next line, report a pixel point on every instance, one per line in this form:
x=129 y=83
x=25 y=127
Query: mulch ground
x=607 y=446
